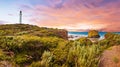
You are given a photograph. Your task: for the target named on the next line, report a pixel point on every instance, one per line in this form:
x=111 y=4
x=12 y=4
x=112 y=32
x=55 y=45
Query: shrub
x=33 y=46
x=59 y=56
x=84 y=41
x=111 y=39
x=109 y=35
x=45 y=62
x=22 y=59
x=36 y=64
x=82 y=56
x=2 y=33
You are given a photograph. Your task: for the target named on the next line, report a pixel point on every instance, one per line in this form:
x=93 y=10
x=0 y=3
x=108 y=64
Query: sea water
x=76 y=35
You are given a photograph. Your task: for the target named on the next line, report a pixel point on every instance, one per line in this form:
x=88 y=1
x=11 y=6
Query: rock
x=70 y=36
x=63 y=34
x=110 y=57
x=93 y=34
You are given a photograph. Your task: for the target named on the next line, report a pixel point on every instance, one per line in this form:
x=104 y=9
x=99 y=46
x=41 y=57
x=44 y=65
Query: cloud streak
x=77 y=14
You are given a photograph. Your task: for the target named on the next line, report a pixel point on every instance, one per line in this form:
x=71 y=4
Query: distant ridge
x=26 y=29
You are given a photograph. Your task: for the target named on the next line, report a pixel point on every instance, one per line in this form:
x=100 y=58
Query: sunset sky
x=77 y=15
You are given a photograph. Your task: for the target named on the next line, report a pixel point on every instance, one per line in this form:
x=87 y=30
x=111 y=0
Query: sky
x=73 y=15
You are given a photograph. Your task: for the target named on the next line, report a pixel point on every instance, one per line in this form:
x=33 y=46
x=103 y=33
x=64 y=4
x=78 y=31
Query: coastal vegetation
x=25 y=29
x=31 y=46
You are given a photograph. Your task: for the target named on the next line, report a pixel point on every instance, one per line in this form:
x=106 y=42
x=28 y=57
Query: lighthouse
x=20 y=20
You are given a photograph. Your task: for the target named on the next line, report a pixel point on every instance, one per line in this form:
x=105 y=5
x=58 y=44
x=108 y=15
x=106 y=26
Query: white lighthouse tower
x=20 y=20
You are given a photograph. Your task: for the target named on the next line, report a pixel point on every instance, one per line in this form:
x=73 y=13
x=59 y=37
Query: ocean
x=85 y=34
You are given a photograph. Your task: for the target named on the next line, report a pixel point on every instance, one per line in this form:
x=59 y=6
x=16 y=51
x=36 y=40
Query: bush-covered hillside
x=31 y=46
x=25 y=29
x=26 y=49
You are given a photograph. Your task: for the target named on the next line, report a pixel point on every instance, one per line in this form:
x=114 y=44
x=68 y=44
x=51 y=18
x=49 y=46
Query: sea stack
x=93 y=34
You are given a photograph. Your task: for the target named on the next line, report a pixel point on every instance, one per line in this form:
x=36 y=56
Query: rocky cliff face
x=62 y=34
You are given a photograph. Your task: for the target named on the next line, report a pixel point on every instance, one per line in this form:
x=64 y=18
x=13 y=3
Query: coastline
x=77 y=35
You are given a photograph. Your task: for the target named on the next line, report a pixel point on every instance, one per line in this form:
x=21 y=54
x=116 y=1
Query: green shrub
x=109 y=35
x=45 y=62
x=2 y=33
x=22 y=59
x=84 y=41
x=59 y=56
x=111 y=39
x=33 y=46
x=36 y=64
x=82 y=56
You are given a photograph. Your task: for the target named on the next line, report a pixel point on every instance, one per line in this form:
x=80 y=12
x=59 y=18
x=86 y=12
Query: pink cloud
x=77 y=14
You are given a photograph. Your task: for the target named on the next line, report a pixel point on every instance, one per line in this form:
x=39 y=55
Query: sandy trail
x=110 y=57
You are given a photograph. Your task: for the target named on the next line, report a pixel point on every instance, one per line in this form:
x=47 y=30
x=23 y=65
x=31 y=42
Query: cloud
x=77 y=14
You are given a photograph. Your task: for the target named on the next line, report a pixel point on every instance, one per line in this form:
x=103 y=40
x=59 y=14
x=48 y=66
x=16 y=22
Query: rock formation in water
x=93 y=34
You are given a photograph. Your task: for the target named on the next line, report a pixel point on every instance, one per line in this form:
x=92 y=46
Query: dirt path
x=110 y=57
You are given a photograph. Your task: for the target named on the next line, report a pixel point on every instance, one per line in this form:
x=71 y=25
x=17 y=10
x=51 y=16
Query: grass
x=84 y=56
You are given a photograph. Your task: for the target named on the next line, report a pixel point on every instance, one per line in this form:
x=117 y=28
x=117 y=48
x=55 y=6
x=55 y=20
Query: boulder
x=93 y=34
